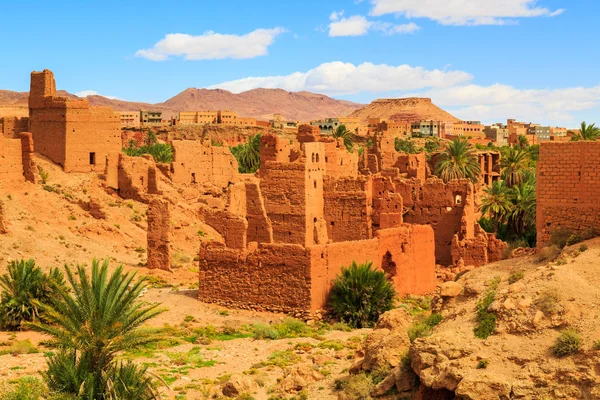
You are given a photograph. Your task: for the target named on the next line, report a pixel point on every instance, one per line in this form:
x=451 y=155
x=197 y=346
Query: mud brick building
x=568 y=188
x=68 y=131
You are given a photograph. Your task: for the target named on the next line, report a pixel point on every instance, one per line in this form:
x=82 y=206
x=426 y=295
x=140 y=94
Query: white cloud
x=339 y=78
x=86 y=93
x=464 y=12
x=357 y=25
x=211 y=45
x=499 y=102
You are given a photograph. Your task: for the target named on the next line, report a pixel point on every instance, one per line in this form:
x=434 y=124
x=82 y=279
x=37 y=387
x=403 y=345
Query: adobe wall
x=30 y=171
x=441 y=205
x=137 y=177
x=68 y=131
x=200 y=162
x=568 y=188
x=339 y=162
x=3 y=220
x=159 y=234
x=13 y=126
x=347 y=208
x=11 y=160
x=295 y=278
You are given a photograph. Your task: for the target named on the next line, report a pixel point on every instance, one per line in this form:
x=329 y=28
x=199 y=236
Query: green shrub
x=356 y=387
x=560 y=237
x=262 y=331
x=23 y=287
x=574 y=239
x=515 y=277
x=361 y=294
x=583 y=248
x=596 y=345
x=486 y=321
x=548 y=301
x=424 y=326
x=25 y=388
x=44 y=175
x=161 y=152
x=21 y=347
x=548 y=254
x=482 y=364
x=567 y=343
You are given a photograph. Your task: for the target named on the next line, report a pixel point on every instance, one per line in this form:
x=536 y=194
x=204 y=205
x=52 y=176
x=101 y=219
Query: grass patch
x=179 y=259
x=356 y=387
x=336 y=345
x=416 y=305
x=20 y=347
x=548 y=301
x=288 y=328
x=192 y=358
x=280 y=359
x=548 y=254
x=568 y=343
x=515 y=277
x=486 y=321
x=424 y=326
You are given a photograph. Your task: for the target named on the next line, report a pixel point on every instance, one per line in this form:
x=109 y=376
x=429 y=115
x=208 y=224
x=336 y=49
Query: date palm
x=458 y=161
x=248 y=155
x=100 y=317
x=343 y=133
x=514 y=165
x=587 y=132
x=523 y=212
x=496 y=203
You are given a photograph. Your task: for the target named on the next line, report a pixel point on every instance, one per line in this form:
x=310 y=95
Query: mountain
x=406 y=110
x=257 y=103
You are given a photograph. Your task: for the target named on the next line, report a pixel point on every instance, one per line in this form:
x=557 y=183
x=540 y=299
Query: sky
x=487 y=60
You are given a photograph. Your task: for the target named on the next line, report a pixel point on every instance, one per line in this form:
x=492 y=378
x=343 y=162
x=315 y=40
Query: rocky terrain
x=534 y=301
x=403 y=110
x=257 y=103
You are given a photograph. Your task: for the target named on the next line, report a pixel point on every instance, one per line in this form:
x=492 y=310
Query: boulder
x=300 y=376
x=237 y=385
x=451 y=289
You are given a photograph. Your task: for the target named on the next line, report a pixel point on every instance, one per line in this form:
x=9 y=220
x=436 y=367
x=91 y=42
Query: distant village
x=499 y=134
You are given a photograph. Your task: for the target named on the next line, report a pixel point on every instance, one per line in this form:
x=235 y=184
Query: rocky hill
x=257 y=103
x=406 y=110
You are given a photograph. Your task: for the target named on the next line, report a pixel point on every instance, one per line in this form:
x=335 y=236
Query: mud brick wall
x=276 y=277
x=11 y=160
x=13 y=126
x=159 y=234
x=568 y=188
x=200 y=162
x=30 y=171
x=137 y=177
x=446 y=207
x=3 y=220
x=347 y=208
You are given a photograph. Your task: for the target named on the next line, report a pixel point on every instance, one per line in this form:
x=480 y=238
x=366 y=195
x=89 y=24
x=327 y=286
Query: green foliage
x=161 y=152
x=248 y=155
x=583 y=248
x=343 y=133
x=515 y=276
x=548 y=254
x=432 y=144
x=568 y=343
x=22 y=286
x=99 y=319
x=548 y=301
x=522 y=142
x=361 y=294
x=587 y=132
x=596 y=345
x=482 y=364
x=486 y=321
x=514 y=164
x=288 y=328
x=44 y=175
x=25 y=388
x=424 y=326
x=21 y=347
x=405 y=146
x=458 y=161
x=357 y=387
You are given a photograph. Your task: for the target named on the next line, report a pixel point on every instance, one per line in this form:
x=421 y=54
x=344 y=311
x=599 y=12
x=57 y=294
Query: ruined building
x=68 y=131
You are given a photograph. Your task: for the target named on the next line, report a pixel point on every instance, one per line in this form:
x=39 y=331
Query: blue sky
x=489 y=60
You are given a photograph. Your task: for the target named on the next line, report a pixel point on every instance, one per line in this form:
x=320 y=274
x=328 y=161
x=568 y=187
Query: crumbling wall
x=480 y=250
x=294 y=278
x=447 y=207
x=316 y=230
x=274 y=148
x=29 y=165
x=568 y=188
x=12 y=127
x=200 y=162
x=308 y=133
x=347 y=208
x=339 y=162
x=11 y=160
x=159 y=234
x=259 y=226
x=275 y=277
x=68 y=131
x=137 y=177
x=3 y=220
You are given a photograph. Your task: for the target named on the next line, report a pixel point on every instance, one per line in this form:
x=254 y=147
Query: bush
x=561 y=237
x=548 y=301
x=361 y=294
x=424 y=327
x=25 y=388
x=482 y=364
x=548 y=254
x=357 y=387
x=583 y=248
x=486 y=321
x=515 y=277
x=161 y=152
x=567 y=343
x=23 y=288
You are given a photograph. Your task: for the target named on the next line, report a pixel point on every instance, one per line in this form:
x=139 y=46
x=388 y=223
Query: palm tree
x=587 y=132
x=514 y=163
x=101 y=318
x=522 y=142
x=523 y=212
x=458 y=161
x=496 y=203
x=405 y=146
x=342 y=133
x=248 y=155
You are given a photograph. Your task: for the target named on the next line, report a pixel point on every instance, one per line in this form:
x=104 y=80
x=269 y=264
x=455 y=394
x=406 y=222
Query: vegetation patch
x=548 y=301
x=424 y=326
x=486 y=321
x=568 y=343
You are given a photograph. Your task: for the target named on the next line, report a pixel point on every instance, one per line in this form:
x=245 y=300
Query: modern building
x=129 y=119
x=226 y=117
x=150 y=118
x=497 y=133
x=542 y=133
x=196 y=117
x=425 y=128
